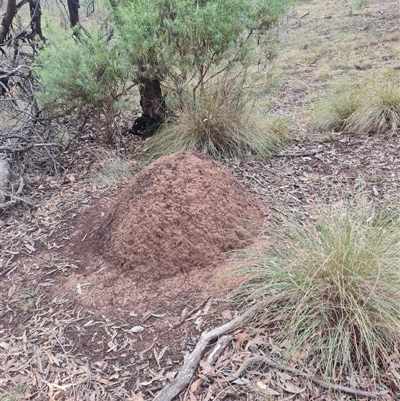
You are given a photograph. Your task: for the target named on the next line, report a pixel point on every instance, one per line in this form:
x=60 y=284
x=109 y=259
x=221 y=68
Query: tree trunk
x=36 y=14
x=4 y=177
x=151 y=99
x=73 y=8
x=7 y=20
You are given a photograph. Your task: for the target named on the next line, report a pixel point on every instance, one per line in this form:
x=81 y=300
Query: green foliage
x=221 y=121
x=13 y=394
x=80 y=73
x=372 y=106
x=184 y=44
x=335 y=287
x=182 y=41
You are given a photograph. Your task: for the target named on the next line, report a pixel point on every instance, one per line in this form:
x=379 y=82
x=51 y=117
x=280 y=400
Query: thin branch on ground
x=300 y=154
x=330 y=386
x=176 y=386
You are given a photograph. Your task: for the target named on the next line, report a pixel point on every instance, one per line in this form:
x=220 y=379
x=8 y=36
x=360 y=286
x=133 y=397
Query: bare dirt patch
x=176 y=216
x=119 y=318
x=162 y=240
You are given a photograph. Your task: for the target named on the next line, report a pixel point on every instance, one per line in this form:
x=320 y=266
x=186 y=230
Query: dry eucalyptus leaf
x=241 y=381
x=136 y=329
x=137 y=397
x=290 y=387
x=267 y=390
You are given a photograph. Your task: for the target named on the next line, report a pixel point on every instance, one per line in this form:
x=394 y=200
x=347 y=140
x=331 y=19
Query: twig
x=300 y=154
x=21 y=186
x=191 y=312
x=171 y=390
x=30 y=146
x=8 y=269
x=322 y=383
x=219 y=348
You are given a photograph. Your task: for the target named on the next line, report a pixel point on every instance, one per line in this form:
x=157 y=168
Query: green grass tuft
x=221 y=121
x=112 y=170
x=336 y=288
x=372 y=106
x=333 y=113
x=379 y=112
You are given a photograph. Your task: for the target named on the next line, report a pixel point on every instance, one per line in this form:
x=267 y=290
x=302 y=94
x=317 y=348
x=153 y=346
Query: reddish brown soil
x=157 y=247
x=175 y=216
x=148 y=258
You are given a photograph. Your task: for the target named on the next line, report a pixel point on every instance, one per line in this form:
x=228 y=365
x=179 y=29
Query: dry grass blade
x=370 y=106
x=112 y=169
x=338 y=287
x=380 y=111
x=222 y=121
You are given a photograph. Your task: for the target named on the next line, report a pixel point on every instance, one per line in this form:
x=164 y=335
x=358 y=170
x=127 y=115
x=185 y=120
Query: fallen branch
x=300 y=154
x=21 y=186
x=219 y=349
x=330 y=386
x=14 y=201
x=171 y=390
x=8 y=148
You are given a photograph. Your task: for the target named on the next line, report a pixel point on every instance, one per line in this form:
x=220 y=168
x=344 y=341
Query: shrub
x=182 y=41
x=180 y=45
x=81 y=74
x=335 y=287
x=221 y=121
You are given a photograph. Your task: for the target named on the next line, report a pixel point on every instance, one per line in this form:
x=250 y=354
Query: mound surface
x=178 y=214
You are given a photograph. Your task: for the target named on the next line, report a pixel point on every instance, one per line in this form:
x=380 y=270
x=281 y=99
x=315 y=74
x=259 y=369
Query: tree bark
x=73 y=9
x=7 y=20
x=151 y=99
x=4 y=177
x=36 y=14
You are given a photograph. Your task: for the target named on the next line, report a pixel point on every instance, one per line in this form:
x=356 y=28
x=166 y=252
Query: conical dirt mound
x=178 y=214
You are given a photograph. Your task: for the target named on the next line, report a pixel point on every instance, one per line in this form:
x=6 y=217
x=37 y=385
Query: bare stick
x=300 y=154
x=30 y=146
x=171 y=390
x=219 y=349
x=192 y=312
x=330 y=386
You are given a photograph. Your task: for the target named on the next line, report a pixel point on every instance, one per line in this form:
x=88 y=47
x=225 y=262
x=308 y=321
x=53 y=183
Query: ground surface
x=69 y=332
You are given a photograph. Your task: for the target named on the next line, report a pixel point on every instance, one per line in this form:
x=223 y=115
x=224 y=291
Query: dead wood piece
x=4 y=177
x=330 y=386
x=194 y=310
x=7 y=148
x=15 y=197
x=300 y=154
x=171 y=390
x=219 y=348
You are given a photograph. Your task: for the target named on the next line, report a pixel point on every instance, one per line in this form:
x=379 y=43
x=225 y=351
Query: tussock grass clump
x=333 y=113
x=112 y=170
x=379 y=112
x=336 y=289
x=372 y=106
x=221 y=120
